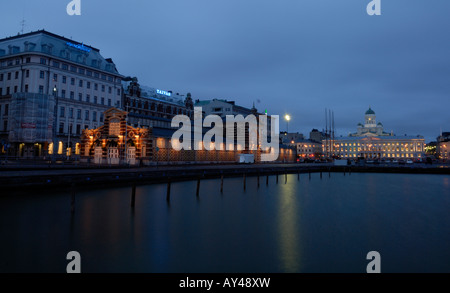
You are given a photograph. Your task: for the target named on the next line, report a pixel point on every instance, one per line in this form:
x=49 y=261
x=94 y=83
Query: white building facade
x=371 y=142
x=51 y=88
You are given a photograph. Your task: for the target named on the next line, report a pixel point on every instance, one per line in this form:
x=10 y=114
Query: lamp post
x=287 y=117
x=55 y=95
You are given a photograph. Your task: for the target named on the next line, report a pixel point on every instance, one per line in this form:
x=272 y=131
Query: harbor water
x=310 y=225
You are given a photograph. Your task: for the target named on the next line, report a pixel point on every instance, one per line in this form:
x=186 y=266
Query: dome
x=370 y=112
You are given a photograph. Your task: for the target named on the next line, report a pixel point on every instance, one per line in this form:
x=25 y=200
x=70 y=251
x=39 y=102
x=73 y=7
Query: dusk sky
x=286 y=56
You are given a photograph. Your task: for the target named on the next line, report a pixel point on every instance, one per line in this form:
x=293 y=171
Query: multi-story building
x=223 y=108
x=307 y=148
x=51 y=88
x=151 y=107
x=443 y=146
x=371 y=142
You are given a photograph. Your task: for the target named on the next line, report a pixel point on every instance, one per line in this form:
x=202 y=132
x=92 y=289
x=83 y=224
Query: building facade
x=223 y=108
x=115 y=142
x=151 y=107
x=443 y=146
x=371 y=142
x=51 y=88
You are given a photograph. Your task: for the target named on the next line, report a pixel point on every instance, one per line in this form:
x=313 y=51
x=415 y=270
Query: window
x=86 y=115
x=41 y=89
x=5 y=125
x=70 y=112
x=118 y=92
x=94 y=116
x=64 y=79
x=61 y=127
x=15 y=89
x=7 y=90
x=96 y=75
x=65 y=67
x=80 y=97
x=27 y=73
x=6 y=110
x=1 y=93
x=89 y=73
x=72 y=95
x=78 y=129
x=103 y=77
x=43 y=61
x=62 y=112
x=80 y=83
x=41 y=74
x=96 y=86
x=88 y=98
x=55 y=64
x=109 y=102
x=73 y=69
x=81 y=71
x=102 y=101
x=16 y=75
x=88 y=84
x=101 y=117
x=55 y=77
x=78 y=114
x=72 y=81
x=1 y=77
x=63 y=93
x=110 y=90
x=28 y=60
x=9 y=75
x=17 y=61
x=95 y=100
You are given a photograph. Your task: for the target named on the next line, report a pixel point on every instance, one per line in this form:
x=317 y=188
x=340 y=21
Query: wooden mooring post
x=198 y=187
x=168 y=190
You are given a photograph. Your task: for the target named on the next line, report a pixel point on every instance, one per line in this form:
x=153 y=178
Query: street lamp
x=55 y=95
x=287 y=117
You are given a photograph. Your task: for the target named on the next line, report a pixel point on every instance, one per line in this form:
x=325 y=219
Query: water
x=322 y=225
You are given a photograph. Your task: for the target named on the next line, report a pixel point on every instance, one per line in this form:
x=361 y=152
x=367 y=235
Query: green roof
x=370 y=112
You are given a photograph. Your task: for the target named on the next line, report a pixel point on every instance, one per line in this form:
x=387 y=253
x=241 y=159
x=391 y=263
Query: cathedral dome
x=370 y=112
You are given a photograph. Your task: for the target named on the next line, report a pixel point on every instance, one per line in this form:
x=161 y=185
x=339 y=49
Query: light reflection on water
x=317 y=225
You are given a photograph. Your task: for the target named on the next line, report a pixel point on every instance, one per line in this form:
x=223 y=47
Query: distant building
x=443 y=146
x=370 y=127
x=290 y=138
x=317 y=135
x=51 y=88
x=151 y=107
x=223 y=108
x=371 y=142
x=308 y=149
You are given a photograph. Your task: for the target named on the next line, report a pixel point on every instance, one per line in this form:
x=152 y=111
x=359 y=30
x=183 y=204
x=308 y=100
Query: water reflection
x=289 y=226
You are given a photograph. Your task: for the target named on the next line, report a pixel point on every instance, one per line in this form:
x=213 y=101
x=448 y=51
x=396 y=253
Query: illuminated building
x=443 y=146
x=115 y=142
x=51 y=88
x=371 y=142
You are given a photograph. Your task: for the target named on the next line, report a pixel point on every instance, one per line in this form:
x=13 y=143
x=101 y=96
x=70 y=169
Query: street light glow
x=287 y=117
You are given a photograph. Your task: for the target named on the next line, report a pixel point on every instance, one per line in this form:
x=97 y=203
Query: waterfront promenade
x=23 y=176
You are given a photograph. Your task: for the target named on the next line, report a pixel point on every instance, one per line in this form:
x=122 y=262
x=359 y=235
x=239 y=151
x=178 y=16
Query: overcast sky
x=287 y=56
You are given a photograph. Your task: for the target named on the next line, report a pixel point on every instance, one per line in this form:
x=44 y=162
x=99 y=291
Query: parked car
x=395 y=161
x=409 y=161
